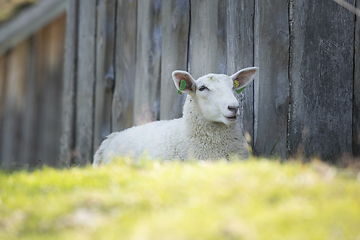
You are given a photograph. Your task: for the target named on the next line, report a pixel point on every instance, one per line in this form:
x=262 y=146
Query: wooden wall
x=304 y=100
x=119 y=55
x=356 y=95
x=30 y=98
x=322 y=78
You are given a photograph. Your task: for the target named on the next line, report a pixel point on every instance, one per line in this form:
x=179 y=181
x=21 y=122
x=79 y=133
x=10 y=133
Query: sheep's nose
x=233 y=109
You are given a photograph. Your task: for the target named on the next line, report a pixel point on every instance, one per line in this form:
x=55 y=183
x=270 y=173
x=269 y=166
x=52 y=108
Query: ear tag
x=182 y=86
x=240 y=90
x=236 y=83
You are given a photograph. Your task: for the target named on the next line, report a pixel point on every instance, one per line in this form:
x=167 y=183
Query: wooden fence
x=31 y=69
x=119 y=55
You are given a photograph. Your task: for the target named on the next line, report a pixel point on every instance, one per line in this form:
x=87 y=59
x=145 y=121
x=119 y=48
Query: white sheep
x=207 y=129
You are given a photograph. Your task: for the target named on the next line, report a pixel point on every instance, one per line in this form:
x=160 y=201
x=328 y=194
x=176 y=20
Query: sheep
x=207 y=130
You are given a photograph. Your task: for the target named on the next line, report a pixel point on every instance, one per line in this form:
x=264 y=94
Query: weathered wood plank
x=3 y=77
x=86 y=81
x=240 y=54
x=271 y=94
x=30 y=21
x=14 y=105
x=125 y=65
x=175 y=38
x=204 y=34
x=105 y=77
x=222 y=36
x=321 y=79
x=29 y=132
x=56 y=67
x=67 y=139
x=148 y=64
x=356 y=113
x=41 y=42
x=49 y=117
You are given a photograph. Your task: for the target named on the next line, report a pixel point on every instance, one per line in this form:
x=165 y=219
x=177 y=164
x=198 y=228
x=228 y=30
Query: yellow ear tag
x=236 y=83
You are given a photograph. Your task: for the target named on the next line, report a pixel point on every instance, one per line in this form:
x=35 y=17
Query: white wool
x=207 y=130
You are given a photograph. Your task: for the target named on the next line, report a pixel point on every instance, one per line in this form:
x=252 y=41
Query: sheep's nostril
x=233 y=108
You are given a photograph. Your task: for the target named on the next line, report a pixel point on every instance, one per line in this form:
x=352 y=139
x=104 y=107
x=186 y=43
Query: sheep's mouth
x=232 y=118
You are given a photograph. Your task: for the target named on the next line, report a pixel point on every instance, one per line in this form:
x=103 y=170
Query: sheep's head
x=215 y=93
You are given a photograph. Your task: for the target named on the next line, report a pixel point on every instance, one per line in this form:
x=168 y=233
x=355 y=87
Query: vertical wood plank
x=50 y=117
x=272 y=89
x=14 y=105
x=41 y=42
x=86 y=81
x=125 y=64
x=240 y=54
x=321 y=79
x=148 y=62
x=175 y=38
x=204 y=44
x=68 y=110
x=3 y=78
x=221 y=34
x=57 y=66
x=2 y=82
x=27 y=155
x=356 y=103
x=105 y=77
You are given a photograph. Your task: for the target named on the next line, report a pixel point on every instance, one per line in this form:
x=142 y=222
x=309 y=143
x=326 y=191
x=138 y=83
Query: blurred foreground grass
x=254 y=199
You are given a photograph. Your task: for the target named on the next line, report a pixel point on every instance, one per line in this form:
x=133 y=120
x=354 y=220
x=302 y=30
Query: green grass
x=254 y=199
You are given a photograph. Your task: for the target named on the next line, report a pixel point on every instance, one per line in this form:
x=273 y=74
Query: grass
x=254 y=199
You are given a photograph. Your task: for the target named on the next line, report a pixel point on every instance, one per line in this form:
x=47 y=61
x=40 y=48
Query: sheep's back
x=158 y=139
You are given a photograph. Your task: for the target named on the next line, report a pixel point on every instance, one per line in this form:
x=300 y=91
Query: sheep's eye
x=202 y=88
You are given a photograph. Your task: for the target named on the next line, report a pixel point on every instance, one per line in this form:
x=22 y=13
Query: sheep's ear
x=244 y=77
x=184 y=82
